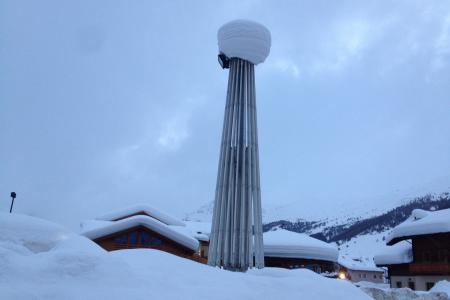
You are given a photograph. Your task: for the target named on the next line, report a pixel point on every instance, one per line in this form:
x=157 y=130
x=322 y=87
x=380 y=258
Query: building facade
x=359 y=269
x=426 y=251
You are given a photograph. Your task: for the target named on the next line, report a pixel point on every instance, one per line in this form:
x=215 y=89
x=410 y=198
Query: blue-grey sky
x=107 y=103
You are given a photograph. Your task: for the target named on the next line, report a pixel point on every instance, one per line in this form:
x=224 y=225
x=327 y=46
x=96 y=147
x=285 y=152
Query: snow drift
x=42 y=260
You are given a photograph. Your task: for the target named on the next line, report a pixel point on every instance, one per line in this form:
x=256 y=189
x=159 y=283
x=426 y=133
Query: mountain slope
x=344 y=230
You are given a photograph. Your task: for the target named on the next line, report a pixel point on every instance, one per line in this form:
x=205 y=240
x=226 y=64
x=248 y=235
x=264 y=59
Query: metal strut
x=236 y=240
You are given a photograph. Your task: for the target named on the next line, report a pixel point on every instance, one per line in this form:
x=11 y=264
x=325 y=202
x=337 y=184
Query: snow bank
x=151 y=211
x=393 y=255
x=71 y=267
x=244 y=39
x=183 y=237
x=421 y=222
x=442 y=286
x=284 y=243
x=402 y=294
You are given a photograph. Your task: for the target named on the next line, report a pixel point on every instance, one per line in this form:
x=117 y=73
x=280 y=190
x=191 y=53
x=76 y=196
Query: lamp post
x=13 y=196
x=236 y=241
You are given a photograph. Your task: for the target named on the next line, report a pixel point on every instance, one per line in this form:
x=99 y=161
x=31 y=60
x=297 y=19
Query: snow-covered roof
x=151 y=211
x=359 y=264
x=87 y=225
x=393 y=255
x=419 y=223
x=173 y=232
x=244 y=39
x=200 y=230
x=284 y=243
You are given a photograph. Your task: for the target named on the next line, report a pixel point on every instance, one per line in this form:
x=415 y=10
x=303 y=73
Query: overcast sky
x=108 y=103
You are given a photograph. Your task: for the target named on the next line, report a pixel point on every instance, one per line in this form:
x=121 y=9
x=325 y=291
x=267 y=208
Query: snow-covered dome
x=244 y=39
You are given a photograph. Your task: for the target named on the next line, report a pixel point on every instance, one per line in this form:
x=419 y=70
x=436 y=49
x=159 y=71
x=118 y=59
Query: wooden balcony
x=429 y=268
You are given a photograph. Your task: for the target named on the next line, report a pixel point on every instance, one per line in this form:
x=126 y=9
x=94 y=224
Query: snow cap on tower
x=244 y=39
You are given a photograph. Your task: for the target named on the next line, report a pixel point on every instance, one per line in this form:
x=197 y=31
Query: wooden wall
x=142 y=237
x=319 y=266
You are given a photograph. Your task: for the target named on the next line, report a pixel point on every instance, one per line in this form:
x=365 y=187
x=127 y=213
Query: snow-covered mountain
x=356 y=234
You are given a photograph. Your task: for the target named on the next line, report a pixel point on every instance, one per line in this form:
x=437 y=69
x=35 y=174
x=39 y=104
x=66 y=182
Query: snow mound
x=402 y=294
x=244 y=39
x=284 y=243
x=73 y=267
x=27 y=235
x=442 y=286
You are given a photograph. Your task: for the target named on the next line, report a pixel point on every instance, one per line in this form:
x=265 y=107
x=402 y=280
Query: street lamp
x=13 y=196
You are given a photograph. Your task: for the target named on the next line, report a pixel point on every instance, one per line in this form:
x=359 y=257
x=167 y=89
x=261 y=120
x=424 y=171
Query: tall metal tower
x=236 y=241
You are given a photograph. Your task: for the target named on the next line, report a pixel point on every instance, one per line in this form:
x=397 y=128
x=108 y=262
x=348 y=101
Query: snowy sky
x=108 y=103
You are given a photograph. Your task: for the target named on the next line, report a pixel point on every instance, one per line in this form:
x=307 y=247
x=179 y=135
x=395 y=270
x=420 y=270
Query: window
x=133 y=237
x=364 y=275
x=123 y=239
x=145 y=238
x=374 y=276
x=398 y=284
x=429 y=285
x=411 y=285
x=155 y=241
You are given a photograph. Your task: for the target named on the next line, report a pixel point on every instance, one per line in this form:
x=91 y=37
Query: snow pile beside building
x=41 y=260
x=419 y=223
x=284 y=243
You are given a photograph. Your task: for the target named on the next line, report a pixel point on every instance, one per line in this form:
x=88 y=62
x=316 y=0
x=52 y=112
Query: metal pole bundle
x=236 y=241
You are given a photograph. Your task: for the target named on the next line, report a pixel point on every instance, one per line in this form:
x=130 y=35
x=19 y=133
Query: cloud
x=442 y=46
x=349 y=40
x=175 y=130
x=286 y=65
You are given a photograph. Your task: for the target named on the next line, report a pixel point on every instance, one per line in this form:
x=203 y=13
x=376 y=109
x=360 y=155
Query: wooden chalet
x=419 y=252
x=142 y=227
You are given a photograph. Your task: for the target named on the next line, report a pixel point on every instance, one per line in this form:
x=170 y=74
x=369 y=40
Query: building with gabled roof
x=358 y=269
x=419 y=252
x=142 y=226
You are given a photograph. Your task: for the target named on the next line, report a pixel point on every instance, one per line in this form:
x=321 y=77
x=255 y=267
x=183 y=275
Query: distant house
x=142 y=226
x=291 y=250
x=419 y=252
x=358 y=269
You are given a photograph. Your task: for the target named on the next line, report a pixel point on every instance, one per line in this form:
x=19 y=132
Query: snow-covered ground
x=42 y=260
